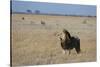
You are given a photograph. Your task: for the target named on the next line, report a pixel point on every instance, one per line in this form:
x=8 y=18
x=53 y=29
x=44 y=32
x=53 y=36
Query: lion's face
x=61 y=35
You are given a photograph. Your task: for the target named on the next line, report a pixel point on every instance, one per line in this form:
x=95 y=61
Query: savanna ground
x=35 y=43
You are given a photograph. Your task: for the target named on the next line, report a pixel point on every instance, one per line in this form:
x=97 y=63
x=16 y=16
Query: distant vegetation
x=37 y=12
x=23 y=18
x=85 y=21
x=29 y=11
x=42 y=22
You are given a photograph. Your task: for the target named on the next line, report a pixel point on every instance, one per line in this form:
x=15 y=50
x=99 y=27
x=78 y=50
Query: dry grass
x=34 y=43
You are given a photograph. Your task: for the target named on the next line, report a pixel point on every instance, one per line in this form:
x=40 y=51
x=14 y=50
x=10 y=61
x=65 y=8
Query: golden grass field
x=34 y=43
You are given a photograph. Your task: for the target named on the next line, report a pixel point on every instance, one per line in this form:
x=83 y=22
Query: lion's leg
x=69 y=52
x=64 y=51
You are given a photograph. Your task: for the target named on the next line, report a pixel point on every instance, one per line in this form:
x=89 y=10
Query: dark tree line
x=30 y=11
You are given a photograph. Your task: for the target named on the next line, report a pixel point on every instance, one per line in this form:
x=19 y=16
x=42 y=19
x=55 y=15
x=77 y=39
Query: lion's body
x=68 y=42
